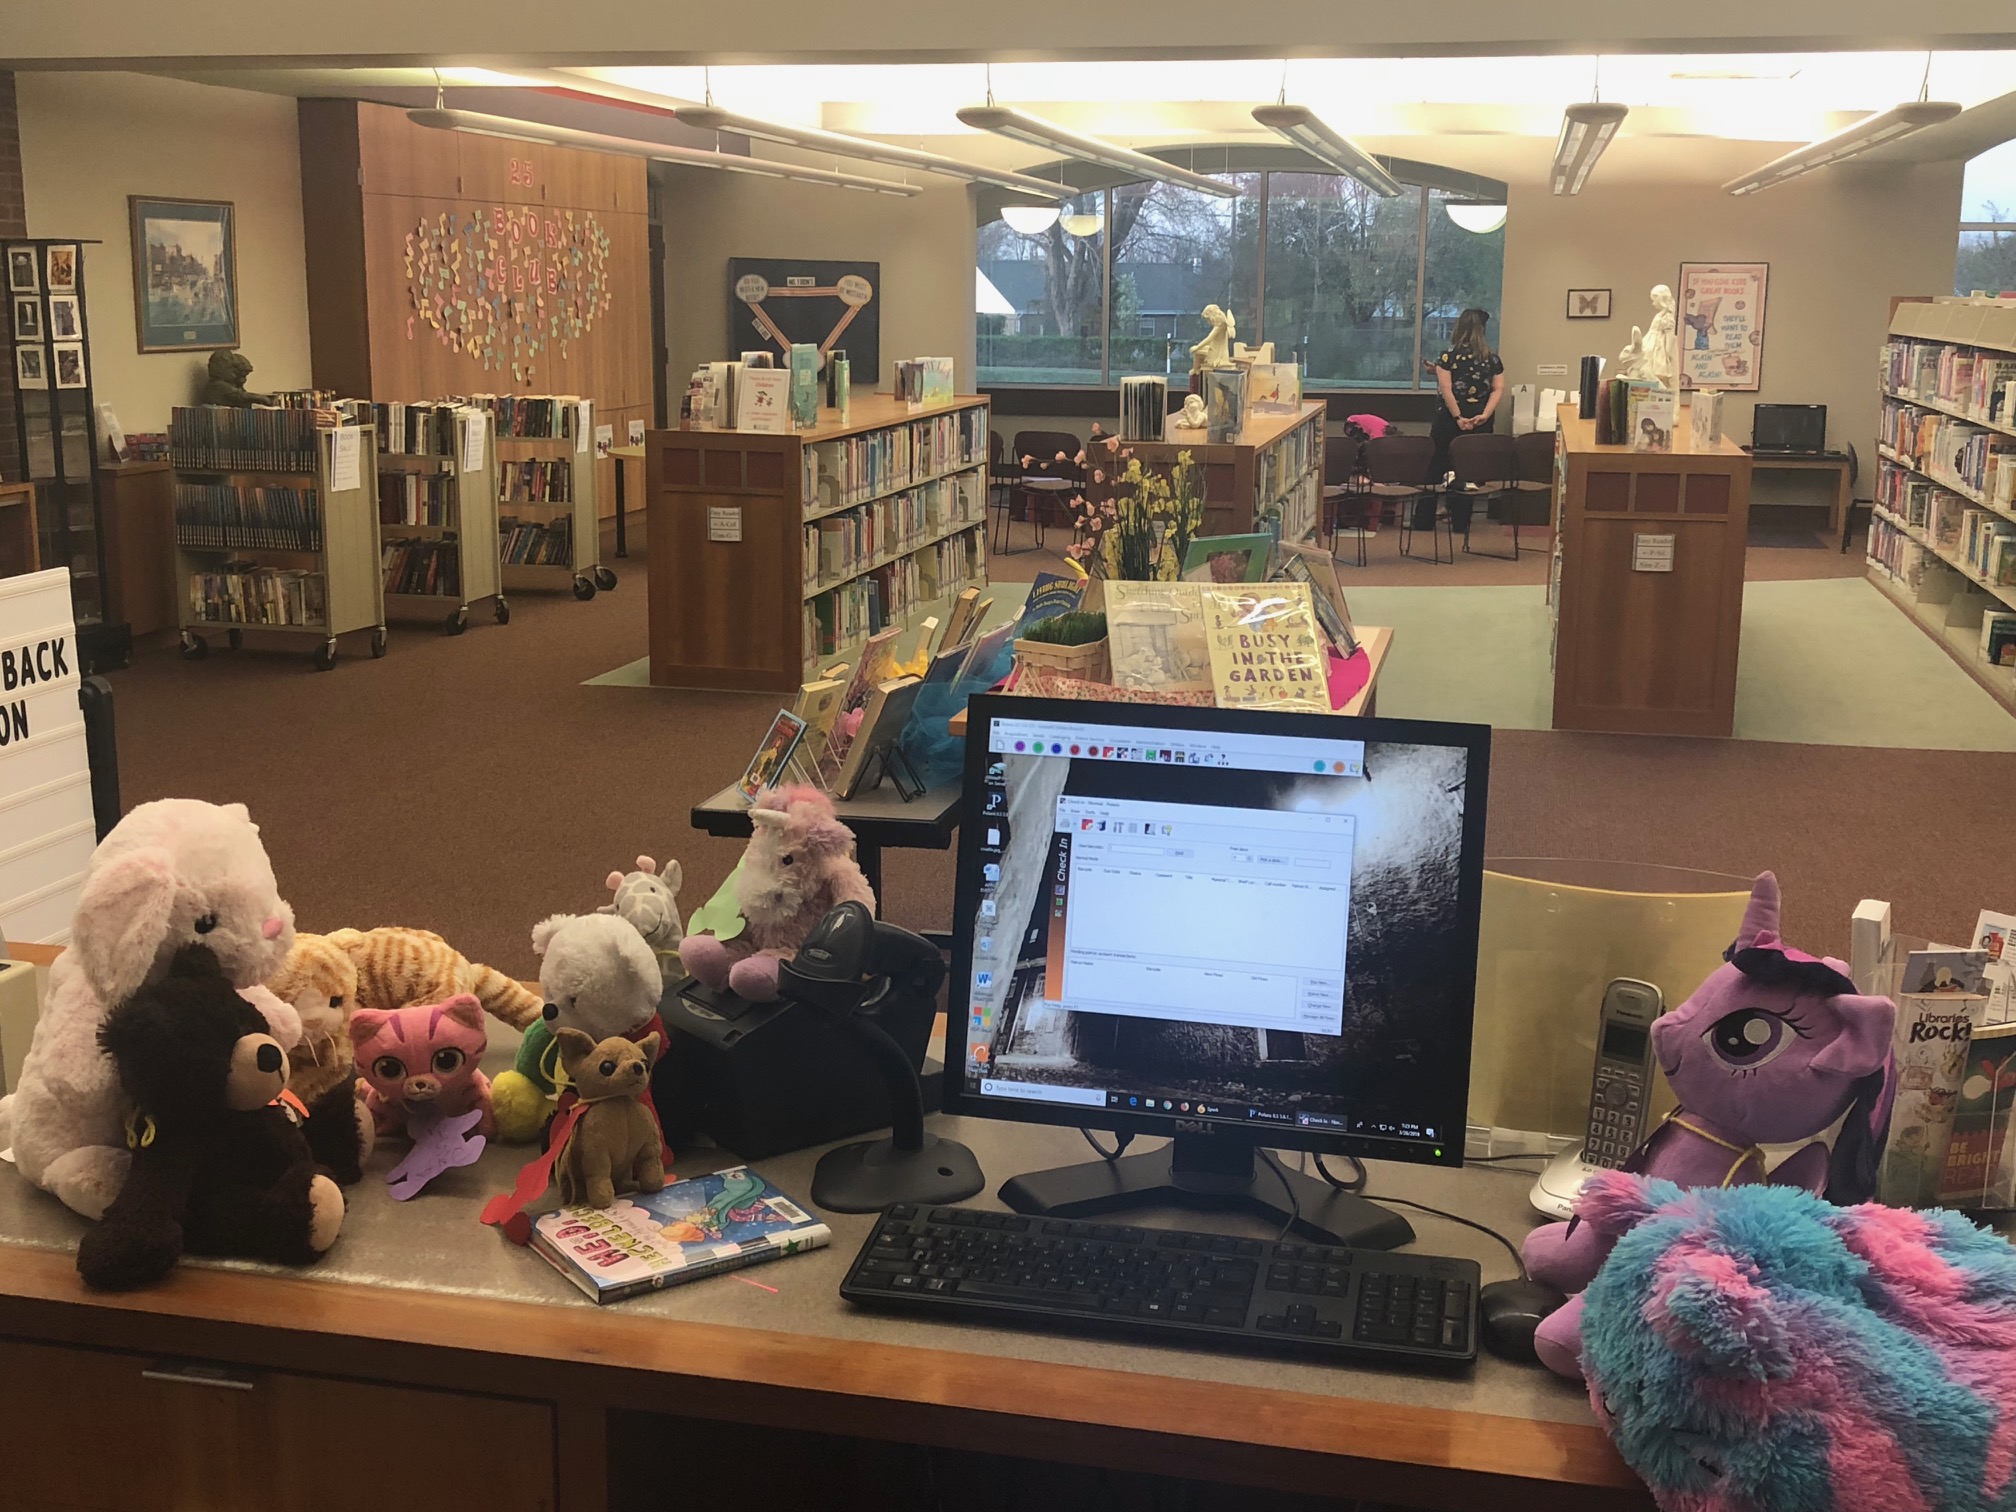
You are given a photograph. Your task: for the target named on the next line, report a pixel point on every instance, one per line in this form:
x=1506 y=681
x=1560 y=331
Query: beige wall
x=924 y=244
x=88 y=140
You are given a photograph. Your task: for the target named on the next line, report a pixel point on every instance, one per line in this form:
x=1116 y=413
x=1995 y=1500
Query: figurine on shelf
x=1215 y=350
x=1193 y=416
x=228 y=372
x=1654 y=352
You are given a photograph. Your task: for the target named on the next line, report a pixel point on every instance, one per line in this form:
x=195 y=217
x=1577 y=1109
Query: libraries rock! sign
x=46 y=828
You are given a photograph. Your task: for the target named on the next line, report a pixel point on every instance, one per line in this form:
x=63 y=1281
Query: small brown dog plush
x=614 y=1146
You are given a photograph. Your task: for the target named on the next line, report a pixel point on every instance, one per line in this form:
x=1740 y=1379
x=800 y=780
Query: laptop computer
x=1789 y=430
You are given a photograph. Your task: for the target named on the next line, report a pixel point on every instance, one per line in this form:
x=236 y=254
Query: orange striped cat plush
x=399 y=967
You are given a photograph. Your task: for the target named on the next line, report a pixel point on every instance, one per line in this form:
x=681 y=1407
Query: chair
x=1396 y=467
x=1485 y=464
x=1345 y=500
x=1003 y=474
x=1848 y=514
x=1050 y=476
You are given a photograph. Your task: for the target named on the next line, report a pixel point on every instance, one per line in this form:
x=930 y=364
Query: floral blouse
x=1470 y=378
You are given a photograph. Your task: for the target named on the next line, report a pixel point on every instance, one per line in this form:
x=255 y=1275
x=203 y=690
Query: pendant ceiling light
x=1870 y=131
x=513 y=130
x=1013 y=124
x=1586 y=129
x=1083 y=223
x=1029 y=220
x=1303 y=127
x=1475 y=217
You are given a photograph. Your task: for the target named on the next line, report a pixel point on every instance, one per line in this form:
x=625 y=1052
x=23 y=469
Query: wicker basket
x=1091 y=662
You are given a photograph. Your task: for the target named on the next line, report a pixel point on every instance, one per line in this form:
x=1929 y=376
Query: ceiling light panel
x=1305 y=129
x=869 y=149
x=1036 y=132
x=1871 y=131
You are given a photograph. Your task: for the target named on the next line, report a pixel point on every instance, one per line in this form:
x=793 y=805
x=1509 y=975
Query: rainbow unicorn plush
x=1775 y=1047
x=1755 y=1349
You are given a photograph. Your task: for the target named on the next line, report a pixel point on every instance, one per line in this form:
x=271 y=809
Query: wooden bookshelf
x=346 y=559
x=585 y=572
x=745 y=604
x=1924 y=570
x=468 y=522
x=1270 y=478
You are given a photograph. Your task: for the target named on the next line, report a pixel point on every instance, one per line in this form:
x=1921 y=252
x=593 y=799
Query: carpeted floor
x=475 y=785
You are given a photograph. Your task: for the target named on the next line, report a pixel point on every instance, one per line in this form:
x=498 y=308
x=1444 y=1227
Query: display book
x=437 y=504
x=548 y=526
x=276 y=525
x=698 y=1227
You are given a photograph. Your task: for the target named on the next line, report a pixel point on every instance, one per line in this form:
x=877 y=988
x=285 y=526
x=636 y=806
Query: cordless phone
x=1621 y=1090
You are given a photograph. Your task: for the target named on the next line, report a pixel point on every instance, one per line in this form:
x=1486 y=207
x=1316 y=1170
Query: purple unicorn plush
x=1773 y=1048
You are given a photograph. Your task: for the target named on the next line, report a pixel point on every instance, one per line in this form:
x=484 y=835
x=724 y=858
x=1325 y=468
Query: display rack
x=548 y=530
x=263 y=539
x=1270 y=477
x=795 y=547
x=1946 y=476
x=437 y=511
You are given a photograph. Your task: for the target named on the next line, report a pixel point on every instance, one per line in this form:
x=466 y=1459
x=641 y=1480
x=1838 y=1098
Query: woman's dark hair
x=1469 y=333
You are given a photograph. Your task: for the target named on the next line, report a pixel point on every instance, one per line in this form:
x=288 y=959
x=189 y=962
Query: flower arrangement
x=1132 y=523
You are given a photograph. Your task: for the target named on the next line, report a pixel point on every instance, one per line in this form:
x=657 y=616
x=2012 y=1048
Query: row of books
x=221 y=437
x=548 y=480
x=234 y=517
x=868 y=605
x=1952 y=449
x=555 y=416
x=1979 y=382
x=841 y=544
x=1905 y=494
x=406 y=498
x=854 y=469
x=1283 y=464
x=309 y=399
x=243 y=593
x=1988 y=545
x=427 y=566
x=417 y=430
x=536 y=543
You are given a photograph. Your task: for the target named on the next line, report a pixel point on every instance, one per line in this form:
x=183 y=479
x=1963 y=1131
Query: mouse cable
x=1514 y=1155
x=1120 y=1143
x=1294 y=1202
x=1356 y=1186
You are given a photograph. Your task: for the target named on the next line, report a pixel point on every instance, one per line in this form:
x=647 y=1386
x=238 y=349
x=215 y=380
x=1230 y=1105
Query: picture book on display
x=773 y=756
x=1156 y=636
x=882 y=720
x=1228 y=558
x=1265 y=652
x=652 y=1240
x=1052 y=594
x=1317 y=568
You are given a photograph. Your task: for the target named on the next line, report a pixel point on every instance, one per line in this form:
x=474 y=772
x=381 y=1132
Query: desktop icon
x=989 y=908
x=997 y=771
x=1102 y=824
x=984 y=945
x=1133 y=1102
x=996 y=800
x=982 y=980
x=1084 y=824
x=994 y=839
x=991 y=871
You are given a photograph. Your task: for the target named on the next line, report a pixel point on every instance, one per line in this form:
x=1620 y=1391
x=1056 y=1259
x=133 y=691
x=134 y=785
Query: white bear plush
x=174 y=872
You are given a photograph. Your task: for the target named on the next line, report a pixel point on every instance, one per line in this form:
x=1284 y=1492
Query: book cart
x=437 y=511
x=264 y=540
x=548 y=529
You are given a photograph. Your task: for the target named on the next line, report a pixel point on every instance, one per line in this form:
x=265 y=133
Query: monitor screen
x=1201 y=920
x=1789 y=427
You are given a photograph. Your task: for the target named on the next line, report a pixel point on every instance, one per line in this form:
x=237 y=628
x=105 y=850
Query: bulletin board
x=774 y=301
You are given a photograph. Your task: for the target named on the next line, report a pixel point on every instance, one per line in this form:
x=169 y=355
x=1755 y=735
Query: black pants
x=1444 y=430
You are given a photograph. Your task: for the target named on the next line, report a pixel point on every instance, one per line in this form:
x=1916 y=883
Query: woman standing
x=1472 y=381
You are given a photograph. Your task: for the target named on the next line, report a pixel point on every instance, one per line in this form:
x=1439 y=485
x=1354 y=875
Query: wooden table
x=1834 y=462
x=20 y=550
x=877 y=817
x=622 y=454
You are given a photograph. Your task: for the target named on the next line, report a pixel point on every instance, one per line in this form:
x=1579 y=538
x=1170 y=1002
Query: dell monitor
x=1246 y=930
x=1798 y=430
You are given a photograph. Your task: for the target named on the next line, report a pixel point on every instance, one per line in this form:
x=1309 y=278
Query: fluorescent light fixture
x=1303 y=127
x=513 y=130
x=1870 y=131
x=1029 y=220
x=812 y=139
x=1475 y=217
x=1013 y=124
x=1586 y=130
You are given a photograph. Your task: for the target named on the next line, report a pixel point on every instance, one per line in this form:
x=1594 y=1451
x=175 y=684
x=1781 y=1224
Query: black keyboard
x=1182 y=1286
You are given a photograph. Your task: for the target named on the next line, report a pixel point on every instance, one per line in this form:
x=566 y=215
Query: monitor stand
x=1202 y=1171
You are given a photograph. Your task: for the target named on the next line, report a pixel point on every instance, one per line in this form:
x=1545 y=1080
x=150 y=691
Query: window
x=1987 y=254
x=1355 y=288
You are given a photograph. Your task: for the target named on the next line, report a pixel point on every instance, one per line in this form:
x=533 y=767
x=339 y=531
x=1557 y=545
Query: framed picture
x=66 y=321
x=185 y=274
x=31 y=367
x=69 y=359
x=21 y=275
x=63 y=269
x=1720 y=315
x=1588 y=304
x=27 y=319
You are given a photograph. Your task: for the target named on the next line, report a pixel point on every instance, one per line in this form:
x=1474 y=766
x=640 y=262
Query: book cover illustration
x=1995 y=935
x=1980 y=1170
x=1940 y=1003
x=1157 y=637
x=773 y=756
x=1265 y=652
x=693 y=1228
x=1050 y=595
x=1228 y=558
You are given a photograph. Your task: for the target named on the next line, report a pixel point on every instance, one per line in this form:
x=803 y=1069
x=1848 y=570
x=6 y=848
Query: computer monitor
x=1245 y=930
x=1789 y=428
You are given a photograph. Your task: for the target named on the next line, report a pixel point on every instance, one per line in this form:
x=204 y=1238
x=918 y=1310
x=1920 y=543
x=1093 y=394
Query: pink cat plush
x=423 y=1059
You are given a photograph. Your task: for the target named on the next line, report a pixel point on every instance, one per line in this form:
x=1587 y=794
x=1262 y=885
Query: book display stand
x=548 y=528
x=437 y=510
x=276 y=528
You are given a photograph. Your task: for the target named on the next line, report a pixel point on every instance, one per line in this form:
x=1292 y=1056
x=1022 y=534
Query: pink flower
x=1060 y=456
x=1079 y=459
x=1127 y=454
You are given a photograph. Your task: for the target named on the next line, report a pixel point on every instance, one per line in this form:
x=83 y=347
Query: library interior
x=1220 y=687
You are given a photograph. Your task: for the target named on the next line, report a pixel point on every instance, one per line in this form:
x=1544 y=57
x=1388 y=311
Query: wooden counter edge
x=576 y=1353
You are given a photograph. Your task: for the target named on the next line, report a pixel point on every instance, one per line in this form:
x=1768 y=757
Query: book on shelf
x=227 y=438
x=244 y=593
x=409 y=498
x=1998 y=638
x=423 y=567
x=514 y=417
x=538 y=480
x=417 y=430
x=227 y=516
x=699 y=1227
x=536 y=543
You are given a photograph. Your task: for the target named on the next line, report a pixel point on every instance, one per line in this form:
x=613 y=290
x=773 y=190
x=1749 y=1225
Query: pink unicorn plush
x=1773 y=1048
x=799 y=867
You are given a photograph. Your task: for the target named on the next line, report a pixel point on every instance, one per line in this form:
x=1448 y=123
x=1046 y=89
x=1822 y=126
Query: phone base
x=1560 y=1182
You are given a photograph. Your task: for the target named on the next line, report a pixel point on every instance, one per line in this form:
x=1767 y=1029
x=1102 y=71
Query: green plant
x=1077 y=627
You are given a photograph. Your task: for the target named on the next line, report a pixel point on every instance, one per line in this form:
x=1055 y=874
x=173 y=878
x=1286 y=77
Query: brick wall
x=13 y=222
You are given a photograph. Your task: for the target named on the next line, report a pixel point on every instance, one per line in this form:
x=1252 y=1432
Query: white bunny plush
x=174 y=872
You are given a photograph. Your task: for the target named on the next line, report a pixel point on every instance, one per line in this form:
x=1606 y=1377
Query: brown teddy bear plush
x=614 y=1146
x=219 y=1165
x=319 y=979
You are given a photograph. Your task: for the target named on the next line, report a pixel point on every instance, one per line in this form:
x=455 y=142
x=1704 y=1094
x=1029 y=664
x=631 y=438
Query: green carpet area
x=1824 y=662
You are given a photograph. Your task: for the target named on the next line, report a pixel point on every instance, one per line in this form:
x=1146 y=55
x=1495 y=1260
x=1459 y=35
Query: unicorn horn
x=1760 y=916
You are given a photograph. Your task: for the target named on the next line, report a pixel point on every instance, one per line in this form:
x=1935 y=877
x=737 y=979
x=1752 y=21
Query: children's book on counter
x=651 y=1240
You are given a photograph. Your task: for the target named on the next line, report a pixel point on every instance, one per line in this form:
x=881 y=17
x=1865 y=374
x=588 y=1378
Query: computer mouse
x=1509 y=1311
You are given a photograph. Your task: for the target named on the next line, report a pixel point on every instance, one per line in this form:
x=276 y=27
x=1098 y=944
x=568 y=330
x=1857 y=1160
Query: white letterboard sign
x=46 y=828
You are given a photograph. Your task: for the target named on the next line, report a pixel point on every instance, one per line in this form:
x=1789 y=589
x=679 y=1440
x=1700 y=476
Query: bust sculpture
x=228 y=372
x=1215 y=350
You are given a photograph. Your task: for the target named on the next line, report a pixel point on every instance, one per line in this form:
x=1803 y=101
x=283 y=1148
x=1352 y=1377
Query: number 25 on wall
x=521 y=173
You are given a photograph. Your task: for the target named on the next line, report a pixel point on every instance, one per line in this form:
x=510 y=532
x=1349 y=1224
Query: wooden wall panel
x=447 y=252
